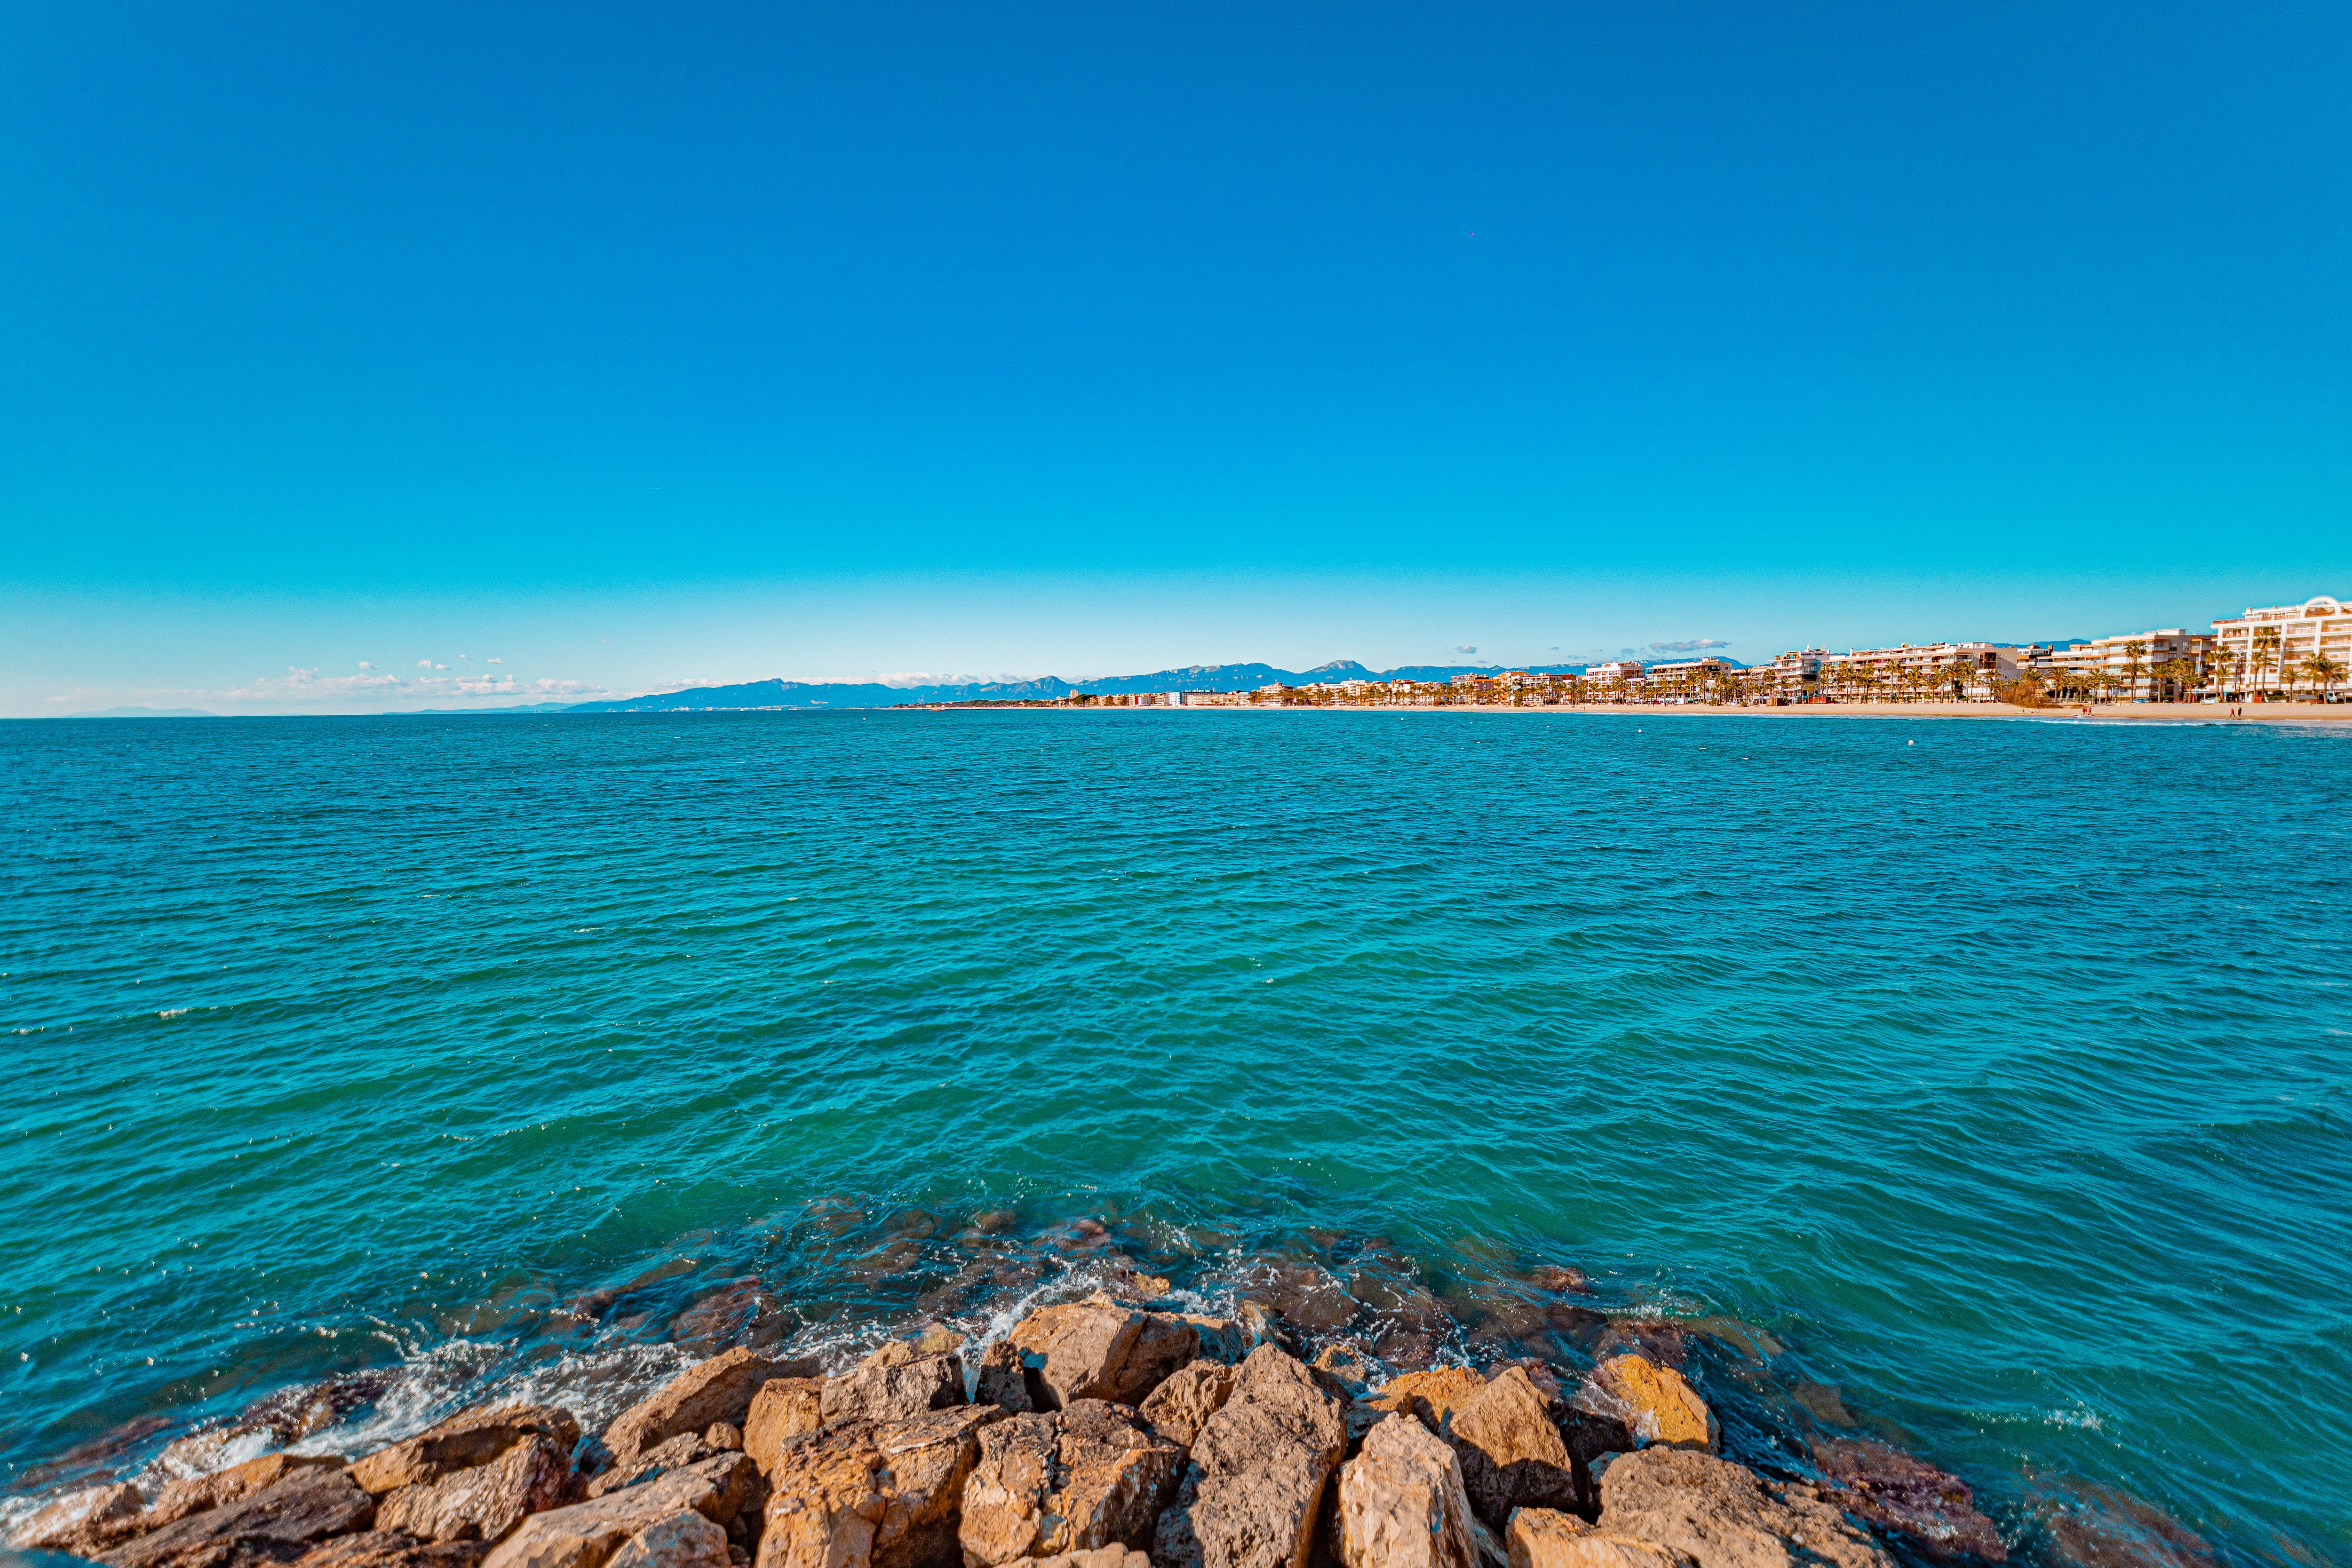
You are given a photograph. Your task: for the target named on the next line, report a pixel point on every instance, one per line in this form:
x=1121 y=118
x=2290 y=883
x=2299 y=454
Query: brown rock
x=1932 y=1509
x=1512 y=1452
x=860 y=1494
x=1402 y=1503
x=70 y=1516
x=684 y=1540
x=392 y=1549
x=1434 y=1396
x=1721 y=1516
x=485 y=1502
x=1658 y=1402
x=1349 y=1366
x=895 y=1384
x=783 y=1410
x=1545 y=1538
x=1099 y=1349
x=473 y=1438
x=1086 y=1477
x=721 y=1435
x=586 y=1534
x=1182 y=1403
x=1259 y=1467
x=669 y=1454
x=274 y=1524
x=1001 y=1380
x=719 y=1389
x=1100 y=1557
x=197 y=1494
x=1222 y=1339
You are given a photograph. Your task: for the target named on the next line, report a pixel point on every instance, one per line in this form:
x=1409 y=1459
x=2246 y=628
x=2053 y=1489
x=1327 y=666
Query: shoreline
x=2119 y=713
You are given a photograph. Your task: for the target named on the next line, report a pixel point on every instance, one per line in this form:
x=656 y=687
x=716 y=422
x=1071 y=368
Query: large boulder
x=1512 y=1452
x=865 y=1494
x=719 y=1389
x=273 y=1525
x=587 y=1534
x=1545 y=1538
x=1931 y=1508
x=684 y=1540
x=678 y=1453
x=1259 y=1467
x=1434 y=1396
x=473 y=1438
x=894 y=1384
x=783 y=1410
x=1402 y=1503
x=1657 y=1402
x=1720 y=1515
x=1086 y=1477
x=1099 y=1349
x=483 y=1503
x=194 y=1494
x=1001 y=1382
x=1185 y=1400
x=392 y=1549
x=73 y=1514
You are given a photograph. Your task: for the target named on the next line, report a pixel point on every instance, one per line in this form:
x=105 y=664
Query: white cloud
x=1464 y=648
x=497 y=661
x=365 y=665
x=423 y=664
x=1689 y=645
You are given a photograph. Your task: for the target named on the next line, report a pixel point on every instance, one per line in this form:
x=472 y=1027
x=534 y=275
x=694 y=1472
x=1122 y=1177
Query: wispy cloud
x=367 y=688
x=1689 y=645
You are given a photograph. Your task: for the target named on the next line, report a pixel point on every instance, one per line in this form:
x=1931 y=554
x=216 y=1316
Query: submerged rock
x=719 y=1389
x=275 y=1525
x=465 y=1440
x=1087 y=1477
x=1259 y=1472
x=862 y=1494
x=1402 y=1503
x=1545 y=1538
x=1931 y=1508
x=1722 y=1516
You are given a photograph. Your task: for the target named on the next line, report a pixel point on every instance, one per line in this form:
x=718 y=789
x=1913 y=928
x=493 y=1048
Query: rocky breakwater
x=1097 y=1434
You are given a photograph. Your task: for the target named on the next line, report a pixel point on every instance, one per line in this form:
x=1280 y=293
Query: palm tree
x=2135 y=665
x=2323 y=672
x=2267 y=651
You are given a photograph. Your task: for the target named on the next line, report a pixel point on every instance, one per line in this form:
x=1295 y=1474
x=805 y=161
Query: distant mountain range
x=770 y=694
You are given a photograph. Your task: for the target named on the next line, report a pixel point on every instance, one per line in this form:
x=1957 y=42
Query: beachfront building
x=1968 y=671
x=1685 y=680
x=1614 y=680
x=2140 y=666
x=2288 y=647
x=1792 y=677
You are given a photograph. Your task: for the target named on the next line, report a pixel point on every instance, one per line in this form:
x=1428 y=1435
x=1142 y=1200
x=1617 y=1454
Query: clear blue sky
x=639 y=345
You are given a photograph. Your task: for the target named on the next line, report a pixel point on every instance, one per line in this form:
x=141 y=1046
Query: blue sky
x=632 y=346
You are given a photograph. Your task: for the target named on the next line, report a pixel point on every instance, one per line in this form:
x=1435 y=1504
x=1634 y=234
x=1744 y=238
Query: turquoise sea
x=1977 y=1087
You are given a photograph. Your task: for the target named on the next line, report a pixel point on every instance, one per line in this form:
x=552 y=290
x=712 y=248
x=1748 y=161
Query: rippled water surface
x=1983 y=1084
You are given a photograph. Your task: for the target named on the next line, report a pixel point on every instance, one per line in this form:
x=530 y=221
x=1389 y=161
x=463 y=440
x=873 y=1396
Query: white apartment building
x=2263 y=650
x=1626 y=670
x=1930 y=669
x=2140 y=666
x=1692 y=674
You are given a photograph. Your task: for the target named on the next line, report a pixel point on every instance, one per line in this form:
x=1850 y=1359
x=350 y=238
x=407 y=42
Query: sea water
x=1981 y=1085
